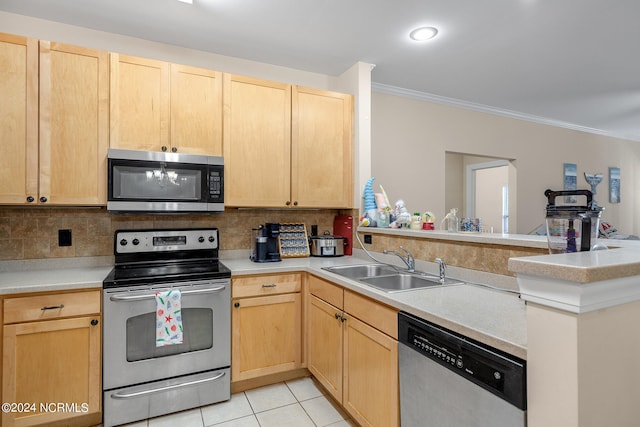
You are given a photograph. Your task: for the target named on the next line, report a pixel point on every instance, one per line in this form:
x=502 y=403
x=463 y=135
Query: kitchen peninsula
x=580 y=309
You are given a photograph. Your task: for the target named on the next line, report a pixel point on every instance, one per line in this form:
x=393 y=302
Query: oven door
x=129 y=350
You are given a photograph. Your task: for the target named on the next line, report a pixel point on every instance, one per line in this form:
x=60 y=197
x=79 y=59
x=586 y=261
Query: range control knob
x=123 y=242
x=201 y=239
x=135 y=242
x=212 y=239
x=459 y=363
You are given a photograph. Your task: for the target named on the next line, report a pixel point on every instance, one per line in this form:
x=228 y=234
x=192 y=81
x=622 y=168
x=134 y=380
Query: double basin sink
x=389 y=279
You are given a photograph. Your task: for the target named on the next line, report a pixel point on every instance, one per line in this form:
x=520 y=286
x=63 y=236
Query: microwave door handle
x=120 y=395
x=151 y=296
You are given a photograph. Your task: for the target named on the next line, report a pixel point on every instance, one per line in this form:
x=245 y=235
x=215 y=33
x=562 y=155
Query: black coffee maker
x=265 y=243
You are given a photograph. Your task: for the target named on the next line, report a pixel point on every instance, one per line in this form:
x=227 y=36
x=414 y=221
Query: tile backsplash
x=32 y=233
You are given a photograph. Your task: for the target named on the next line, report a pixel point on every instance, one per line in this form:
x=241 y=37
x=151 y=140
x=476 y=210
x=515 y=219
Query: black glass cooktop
x=165 y=272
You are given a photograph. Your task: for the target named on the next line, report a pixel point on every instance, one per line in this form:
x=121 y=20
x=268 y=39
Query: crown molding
x=423 y=96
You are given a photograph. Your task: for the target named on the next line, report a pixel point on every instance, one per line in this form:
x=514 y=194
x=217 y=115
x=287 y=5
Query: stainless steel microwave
x=149 y=181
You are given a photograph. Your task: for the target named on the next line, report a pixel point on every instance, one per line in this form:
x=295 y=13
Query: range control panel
x=134 y=241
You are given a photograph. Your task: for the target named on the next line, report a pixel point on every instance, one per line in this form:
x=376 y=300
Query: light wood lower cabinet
x=266 y=325
x=354 y=360
x=52 y=360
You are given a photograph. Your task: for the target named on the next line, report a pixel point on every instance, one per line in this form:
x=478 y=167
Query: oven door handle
x=151 y=296
x=133 y=395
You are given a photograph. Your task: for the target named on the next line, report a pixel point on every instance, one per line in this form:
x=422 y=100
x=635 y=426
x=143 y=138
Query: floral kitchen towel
x=168 y=318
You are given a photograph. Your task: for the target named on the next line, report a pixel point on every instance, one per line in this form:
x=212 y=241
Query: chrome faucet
x=442 y=267
x=408 y=260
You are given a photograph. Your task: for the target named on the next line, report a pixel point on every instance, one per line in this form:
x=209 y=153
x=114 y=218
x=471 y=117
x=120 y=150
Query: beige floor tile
x=304 y=388
x=144 y=423
x=249 y=421
x=270 y=397
x=321 y=411
x=237 y=407
x=286 y=416
x=190 y=418
x=343 y=423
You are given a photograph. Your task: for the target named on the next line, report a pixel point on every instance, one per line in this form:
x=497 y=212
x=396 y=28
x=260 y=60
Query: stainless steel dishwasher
x=448 y=380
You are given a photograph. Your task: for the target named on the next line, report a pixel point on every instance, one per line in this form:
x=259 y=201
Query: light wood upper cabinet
x=158 y=106
x=286 y=146
x=196 y=110
x=74 y=106
x=321 y=153
x=55 y=154
x=139 y=103
x=257 y=142
x=18 y=118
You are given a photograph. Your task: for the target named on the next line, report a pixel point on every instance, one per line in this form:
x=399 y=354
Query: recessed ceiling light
x=186 y=1
x=423 y=33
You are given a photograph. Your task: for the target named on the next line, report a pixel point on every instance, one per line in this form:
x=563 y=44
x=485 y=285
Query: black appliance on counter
x=265 y=243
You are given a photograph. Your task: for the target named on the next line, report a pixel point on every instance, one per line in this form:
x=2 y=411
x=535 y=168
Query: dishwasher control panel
x=490 y=368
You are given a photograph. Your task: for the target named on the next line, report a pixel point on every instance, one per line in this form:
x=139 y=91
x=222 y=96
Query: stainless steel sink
x=387 y=278
x=405 y=282
x=362 y=271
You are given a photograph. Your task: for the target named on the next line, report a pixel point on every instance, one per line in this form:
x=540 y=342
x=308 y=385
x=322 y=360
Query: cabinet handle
x=295 y=203
x=343 y=319
x=236 y=305
x=163 y=148
x=272 y=285
x=288 y=203
x=52 y=307
x=43 y=199
x=337 y=315
x=174 y=149
x=94 y=322
x=30 y=199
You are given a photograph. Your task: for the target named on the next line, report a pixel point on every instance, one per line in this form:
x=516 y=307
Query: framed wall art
x=570 y=181
x=614 y=185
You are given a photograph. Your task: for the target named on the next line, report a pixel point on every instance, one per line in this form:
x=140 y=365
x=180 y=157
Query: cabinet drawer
x=327 y=291
x=378 y=315
x=51 y=306
x=251 y=286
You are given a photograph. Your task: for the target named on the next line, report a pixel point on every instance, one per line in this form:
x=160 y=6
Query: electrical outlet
x=64 y=237
x=368 y=238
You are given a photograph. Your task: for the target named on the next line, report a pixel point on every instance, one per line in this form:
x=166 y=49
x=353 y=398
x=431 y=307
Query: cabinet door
x=139 y=115
x=324 y=338
x=74 y=97
x=18 y=118
x=257 y=142
x=371 y=375
x=50 y=362
x=321 y=150
x=196 y=110
x=266 y=335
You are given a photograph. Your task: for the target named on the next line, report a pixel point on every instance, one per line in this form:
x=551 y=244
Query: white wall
x=80 y=36
x=410 y=138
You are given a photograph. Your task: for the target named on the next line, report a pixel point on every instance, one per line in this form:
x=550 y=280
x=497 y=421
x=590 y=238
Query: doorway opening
x=487 y=194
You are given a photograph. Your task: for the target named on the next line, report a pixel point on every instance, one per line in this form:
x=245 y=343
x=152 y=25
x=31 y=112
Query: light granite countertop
x=493 y=317
x=583 y=267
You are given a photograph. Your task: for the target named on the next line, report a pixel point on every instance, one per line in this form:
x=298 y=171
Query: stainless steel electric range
x=140 y=378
